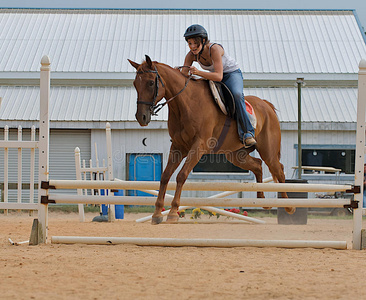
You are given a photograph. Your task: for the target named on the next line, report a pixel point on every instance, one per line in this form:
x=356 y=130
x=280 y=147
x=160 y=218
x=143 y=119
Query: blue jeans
x=364 y=198
x=234 y=81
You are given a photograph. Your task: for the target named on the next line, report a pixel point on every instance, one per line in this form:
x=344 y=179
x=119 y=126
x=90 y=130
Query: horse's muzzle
x=143 y=118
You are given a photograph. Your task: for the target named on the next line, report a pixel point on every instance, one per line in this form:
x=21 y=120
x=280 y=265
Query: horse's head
x=150 y=89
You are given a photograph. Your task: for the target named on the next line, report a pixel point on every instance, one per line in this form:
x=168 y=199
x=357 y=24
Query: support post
x=6 y=168
x=78 y=177
x=300 y=83
x=111 y=211
x=360 y=154
x=43 y=147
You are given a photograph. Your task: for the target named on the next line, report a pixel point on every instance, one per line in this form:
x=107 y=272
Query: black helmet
x=196 y=30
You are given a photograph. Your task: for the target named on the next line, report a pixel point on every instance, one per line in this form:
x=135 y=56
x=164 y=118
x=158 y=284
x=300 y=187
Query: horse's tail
x=271 y=105
x=275 y=111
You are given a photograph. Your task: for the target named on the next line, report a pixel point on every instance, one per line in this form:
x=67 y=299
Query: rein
x=155 y=108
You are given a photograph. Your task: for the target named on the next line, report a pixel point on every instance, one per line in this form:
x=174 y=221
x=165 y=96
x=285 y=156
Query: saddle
x=225 y=100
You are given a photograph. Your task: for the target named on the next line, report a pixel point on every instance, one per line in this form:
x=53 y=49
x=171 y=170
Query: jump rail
x=198 y=186
x=196 y=201
x=173 y=242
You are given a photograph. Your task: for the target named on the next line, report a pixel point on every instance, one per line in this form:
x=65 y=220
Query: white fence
x=95 y=173
x=20 y=146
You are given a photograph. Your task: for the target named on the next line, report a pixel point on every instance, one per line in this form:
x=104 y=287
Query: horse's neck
x=175 y=86
x=174 y=81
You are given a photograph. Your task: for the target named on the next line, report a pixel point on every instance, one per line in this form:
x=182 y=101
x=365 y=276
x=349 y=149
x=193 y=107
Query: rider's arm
x=216 y=55
x=188 y=61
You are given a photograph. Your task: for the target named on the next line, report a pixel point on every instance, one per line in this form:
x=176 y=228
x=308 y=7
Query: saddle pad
x=218 y=99
x=251 y=114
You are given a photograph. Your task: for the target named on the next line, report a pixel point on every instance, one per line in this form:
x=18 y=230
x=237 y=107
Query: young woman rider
x=218 y=66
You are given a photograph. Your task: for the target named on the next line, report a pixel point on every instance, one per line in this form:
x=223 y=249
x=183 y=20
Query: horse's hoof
x=290 y=210
x=172 y=219
x=267 y=208
x=156 y=220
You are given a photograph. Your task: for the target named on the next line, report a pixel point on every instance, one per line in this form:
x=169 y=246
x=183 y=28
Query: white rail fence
x=20 y=185
x=95 y=173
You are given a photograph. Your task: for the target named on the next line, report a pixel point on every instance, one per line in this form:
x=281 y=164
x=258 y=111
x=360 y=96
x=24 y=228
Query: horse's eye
x=151 y=83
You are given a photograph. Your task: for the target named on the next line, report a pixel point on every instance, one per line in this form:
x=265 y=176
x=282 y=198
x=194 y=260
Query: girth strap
x=223 y=134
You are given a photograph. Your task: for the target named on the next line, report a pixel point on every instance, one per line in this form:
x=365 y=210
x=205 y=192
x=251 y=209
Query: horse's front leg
x=175 y=158
x=193 y=157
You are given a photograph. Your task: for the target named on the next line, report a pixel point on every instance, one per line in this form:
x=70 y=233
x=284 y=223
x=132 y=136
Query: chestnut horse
x=195 y=123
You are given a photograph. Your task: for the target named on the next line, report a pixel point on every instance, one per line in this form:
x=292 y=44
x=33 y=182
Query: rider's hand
x=193 y=70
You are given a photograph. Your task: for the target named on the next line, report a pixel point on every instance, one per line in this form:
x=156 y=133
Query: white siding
x=62 y=146
x=130 y=141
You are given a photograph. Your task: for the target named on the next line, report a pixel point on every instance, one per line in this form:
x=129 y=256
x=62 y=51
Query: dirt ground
x=55 y=271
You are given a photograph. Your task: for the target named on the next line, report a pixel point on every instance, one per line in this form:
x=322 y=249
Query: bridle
x=155 y=108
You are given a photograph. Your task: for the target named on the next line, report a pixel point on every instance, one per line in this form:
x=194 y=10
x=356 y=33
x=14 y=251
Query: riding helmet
x=196 y=30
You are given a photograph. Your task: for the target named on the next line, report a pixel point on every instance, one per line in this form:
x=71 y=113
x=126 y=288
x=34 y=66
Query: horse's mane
x=175 y=70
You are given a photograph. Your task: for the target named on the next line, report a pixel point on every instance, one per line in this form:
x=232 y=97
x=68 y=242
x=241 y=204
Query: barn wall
x=158 y=141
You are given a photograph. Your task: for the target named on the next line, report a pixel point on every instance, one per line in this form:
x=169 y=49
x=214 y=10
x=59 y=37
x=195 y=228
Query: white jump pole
x=360 y=154
x=174 y=242
x=221 y=195
x=43 y=146
x=201 y=186
x=199 y=202
x=10 y=205
x=209 y=208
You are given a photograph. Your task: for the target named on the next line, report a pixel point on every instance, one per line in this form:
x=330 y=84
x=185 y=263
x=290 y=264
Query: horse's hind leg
x=277 y=171
x=242 y=159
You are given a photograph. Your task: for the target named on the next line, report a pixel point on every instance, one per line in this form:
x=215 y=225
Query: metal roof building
x=89 y=51
x=99 y=41
x=91 y=79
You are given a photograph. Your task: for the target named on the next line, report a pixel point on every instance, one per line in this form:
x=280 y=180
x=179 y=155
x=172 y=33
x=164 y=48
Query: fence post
x=79 y=177
x=360 y=154
x=43 y=147
x=111 y=213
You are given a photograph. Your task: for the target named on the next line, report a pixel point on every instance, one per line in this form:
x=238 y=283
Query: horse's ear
x=148 y=61
x=133 y=64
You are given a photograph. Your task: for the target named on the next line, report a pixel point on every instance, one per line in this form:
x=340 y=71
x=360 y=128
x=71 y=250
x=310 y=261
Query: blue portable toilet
x=144 y=167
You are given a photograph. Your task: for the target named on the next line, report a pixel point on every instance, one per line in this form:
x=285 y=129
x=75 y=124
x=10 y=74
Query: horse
x=195 y=122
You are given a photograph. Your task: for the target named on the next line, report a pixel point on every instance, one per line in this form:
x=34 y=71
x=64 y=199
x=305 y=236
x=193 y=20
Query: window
x=216 y=163
x=337 y=158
